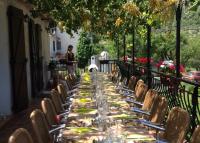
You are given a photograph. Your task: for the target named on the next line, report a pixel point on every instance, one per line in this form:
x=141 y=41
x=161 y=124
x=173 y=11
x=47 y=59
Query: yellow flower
x=87 y=25
x=108 y=33
x=60 y=23
x=171 y=2
x=155 y=4
x=131 y=8
x=118 y=22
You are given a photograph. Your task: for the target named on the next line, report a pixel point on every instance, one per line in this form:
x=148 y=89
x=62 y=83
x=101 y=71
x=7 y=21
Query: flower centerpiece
x=169 y=68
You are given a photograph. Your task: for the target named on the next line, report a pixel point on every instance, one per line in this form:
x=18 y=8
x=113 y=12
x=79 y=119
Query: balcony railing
x=106 y=65
x=179 y=92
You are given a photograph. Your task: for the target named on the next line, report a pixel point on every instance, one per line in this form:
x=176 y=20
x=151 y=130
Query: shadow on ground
x=20 y=120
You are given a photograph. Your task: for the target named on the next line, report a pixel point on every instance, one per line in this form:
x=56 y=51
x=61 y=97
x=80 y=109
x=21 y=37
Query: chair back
x=149 y=99
x=132 y=82
x=176 y=125
x=49 y=111
x=117 y=76
x=139 y=82
x=113 y=73
x=75 y=78
x=56 y=99
x=64 y=83
x=62 y=92
x=141 y=92
x=69 y=81
x=158 y=110
x=40 y=126
x=20 y=135
x=196 y=135
x=124 y=81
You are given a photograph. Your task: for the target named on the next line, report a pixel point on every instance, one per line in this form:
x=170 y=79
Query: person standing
x=69 y=56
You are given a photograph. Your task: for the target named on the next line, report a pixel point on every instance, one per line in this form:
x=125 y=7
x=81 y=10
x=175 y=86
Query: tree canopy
x=112 y=18
x=106 y=16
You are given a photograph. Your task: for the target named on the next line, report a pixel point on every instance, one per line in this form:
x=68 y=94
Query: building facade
x=59 y=41
x=24 y=55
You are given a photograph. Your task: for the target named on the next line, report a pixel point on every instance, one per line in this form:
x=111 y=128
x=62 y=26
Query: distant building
x=59 y=42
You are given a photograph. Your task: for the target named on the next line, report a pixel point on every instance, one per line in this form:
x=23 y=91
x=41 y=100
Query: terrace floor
x=20 y=120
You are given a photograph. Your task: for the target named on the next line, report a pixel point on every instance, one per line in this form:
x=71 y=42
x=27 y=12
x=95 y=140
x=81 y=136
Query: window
x=58 y=45
x=54 y=46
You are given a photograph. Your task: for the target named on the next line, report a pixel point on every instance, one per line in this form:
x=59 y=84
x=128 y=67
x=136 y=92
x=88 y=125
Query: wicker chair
x=20 y=135
x=117 y=76
x=49 y=112
x=130 y=92
x=158 y=110
x=196 y=135
x=71 y=82
x=132 y=82
x=57 y=101
x=157 y=113
x=139 y=82
x=140 y=93
x=147 y=104
x=176 y=126
x=65 y=95
x=149 y=99
x=40 y=127
x=61 y=109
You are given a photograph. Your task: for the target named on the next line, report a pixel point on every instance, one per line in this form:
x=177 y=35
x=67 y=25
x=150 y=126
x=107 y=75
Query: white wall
x=51 y=39
x=66 y=40
x=5 y=78
x=46 y=53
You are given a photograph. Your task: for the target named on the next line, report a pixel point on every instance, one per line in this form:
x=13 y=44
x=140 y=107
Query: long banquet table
x=84 y=126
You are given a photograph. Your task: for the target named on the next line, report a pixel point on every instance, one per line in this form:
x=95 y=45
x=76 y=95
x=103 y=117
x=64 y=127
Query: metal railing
x=107 y=65
x=179 y=92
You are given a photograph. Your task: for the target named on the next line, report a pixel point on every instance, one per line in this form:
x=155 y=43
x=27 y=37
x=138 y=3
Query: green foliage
x=100 y=16
x=190 y=53
x=93 y=15
x=164 y=45
x=110 y=48
x=194 y=5
x=84 y=49
x=88 y=45
x=97 y=48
